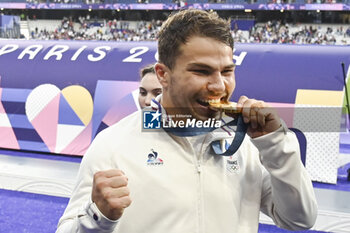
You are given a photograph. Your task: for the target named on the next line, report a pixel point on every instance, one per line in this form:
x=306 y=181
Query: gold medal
x=227 y=107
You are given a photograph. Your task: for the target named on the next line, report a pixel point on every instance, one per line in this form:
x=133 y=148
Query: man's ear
x=163 y=74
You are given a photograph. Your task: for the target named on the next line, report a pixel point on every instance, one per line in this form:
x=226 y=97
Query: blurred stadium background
x=265 y=21
x=321 y=22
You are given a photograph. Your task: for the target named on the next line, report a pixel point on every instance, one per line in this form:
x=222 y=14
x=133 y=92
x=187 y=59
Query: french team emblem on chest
x=153 y=159
x=232 y=164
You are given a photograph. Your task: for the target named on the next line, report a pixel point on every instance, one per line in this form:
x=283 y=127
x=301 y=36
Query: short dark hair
x=180 y=26
x=147 y=69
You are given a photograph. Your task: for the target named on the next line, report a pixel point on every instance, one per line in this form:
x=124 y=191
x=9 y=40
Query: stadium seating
x=324 y=33
x=12 y=0
x=197 y=1
x=160 y=1
x=237 y=1
x=126 y=1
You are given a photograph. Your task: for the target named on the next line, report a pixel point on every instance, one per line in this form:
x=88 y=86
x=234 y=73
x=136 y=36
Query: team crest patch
x=153 y=158
x=232 y=164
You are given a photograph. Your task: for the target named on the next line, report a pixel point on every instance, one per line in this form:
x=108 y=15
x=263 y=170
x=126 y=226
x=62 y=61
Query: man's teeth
x=213 y=101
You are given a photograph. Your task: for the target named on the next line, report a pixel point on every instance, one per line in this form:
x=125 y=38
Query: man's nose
x=216 y=83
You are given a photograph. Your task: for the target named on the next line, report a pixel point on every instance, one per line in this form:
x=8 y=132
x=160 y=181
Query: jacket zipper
x=197 y=164
x=199 y=168
x=200 y=188
x=200 y=197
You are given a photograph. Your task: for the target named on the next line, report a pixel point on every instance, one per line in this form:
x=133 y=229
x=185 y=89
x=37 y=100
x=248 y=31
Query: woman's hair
x=147 y=69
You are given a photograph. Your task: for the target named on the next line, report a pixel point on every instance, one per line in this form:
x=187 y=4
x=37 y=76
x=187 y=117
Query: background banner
x=57 y=95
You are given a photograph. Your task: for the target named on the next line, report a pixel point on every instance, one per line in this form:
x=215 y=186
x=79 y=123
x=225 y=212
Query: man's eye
x=227 y=71
x=205 y=72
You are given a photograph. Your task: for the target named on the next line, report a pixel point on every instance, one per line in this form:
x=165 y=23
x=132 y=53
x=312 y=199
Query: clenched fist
x=262 y=119
x=110 y=193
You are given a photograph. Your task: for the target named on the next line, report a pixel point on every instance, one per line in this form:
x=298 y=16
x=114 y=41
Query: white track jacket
x=178 y=185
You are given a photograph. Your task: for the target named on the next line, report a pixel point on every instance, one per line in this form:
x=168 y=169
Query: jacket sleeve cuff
x=275 y=136
x=271 y=145
x=99 y=219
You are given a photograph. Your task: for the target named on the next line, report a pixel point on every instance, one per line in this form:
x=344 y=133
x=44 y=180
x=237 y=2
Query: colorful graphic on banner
x=59 y=116
x=62 y=121
x=7 y=136
x=113 y=101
